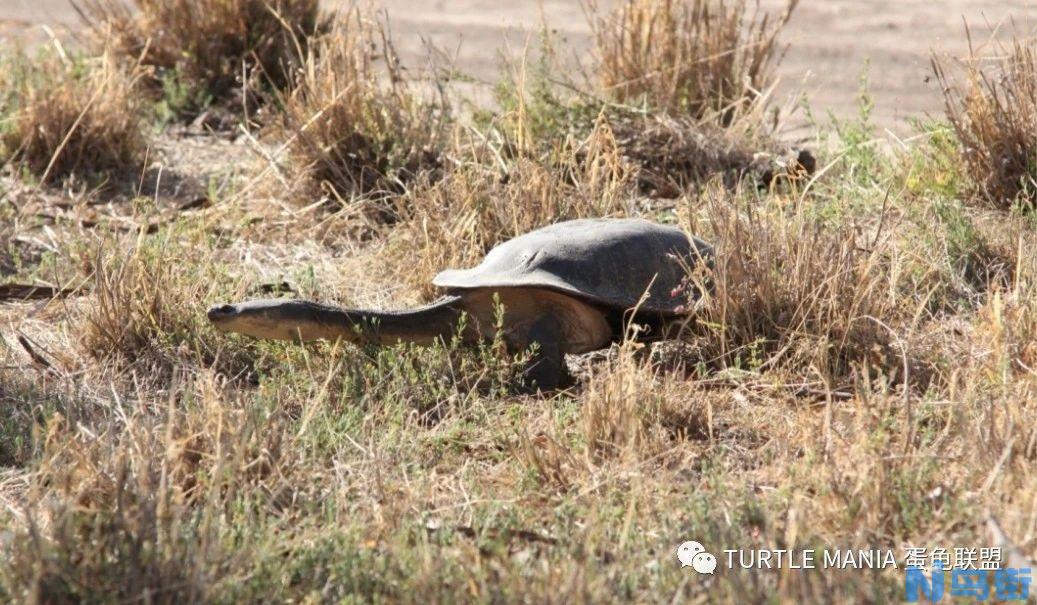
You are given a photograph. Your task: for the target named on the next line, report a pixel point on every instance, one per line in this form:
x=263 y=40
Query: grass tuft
x=790 y=291
x=209 y=51
x=72 y=116
x=701 y=58
x=994 y=114
x=353 y=125
x=147 y=310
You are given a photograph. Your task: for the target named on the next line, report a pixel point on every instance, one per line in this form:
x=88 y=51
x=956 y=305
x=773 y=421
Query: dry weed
x=793 y=414
x=73 y=116
x=1005 y=330
x=147 y=309
x=352 y=124
x=672 y=155
x=632 y=411
x=700 y=58
x=790 y=291
x=540 y=108
x=207 y=51
x=131 y=492
x=995 y=118
x=453 y=222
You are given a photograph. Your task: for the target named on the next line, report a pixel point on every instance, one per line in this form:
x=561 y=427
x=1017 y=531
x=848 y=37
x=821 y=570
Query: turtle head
x=277 y=319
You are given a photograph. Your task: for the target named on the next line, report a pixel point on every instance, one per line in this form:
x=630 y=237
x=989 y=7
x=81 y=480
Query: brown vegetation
x=860 y=373
x=791 y=292
x=454 y=221
x=207 y=51
x=70 y=116
x=671 y=155
x=994 y=114
x=352 y=124
x=701 y=58
x=144 y=312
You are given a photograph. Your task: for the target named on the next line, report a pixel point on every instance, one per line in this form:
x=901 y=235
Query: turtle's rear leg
x=546 y=369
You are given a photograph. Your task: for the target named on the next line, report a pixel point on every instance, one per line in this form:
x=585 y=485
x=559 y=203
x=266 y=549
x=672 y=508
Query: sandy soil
x=830 y=41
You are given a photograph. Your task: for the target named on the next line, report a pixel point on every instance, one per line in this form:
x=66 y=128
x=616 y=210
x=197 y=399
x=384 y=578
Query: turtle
x=567 y=288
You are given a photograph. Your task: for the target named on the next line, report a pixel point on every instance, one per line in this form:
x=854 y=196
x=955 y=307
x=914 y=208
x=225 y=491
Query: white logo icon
x=692 y=554
x=704 y=563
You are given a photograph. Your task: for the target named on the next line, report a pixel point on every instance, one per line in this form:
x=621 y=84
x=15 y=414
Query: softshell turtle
x=566 y=287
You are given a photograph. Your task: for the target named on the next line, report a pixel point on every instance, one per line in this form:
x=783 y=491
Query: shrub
x=790 y=291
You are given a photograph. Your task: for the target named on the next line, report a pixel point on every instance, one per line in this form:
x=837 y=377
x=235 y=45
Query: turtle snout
x=221 y=312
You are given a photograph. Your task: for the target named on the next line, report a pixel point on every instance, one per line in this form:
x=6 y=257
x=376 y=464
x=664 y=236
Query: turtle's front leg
x=546 y=370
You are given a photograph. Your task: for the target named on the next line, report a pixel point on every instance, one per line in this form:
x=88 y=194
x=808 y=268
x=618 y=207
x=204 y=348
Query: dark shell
x=607 y=261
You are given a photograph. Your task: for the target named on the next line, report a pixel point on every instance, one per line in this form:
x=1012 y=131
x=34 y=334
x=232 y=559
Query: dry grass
x=700 y=58
x=541 y=110
x=69 y=116
x=861 y=375
x=142 y=314
x=352 y=123
x=100 y=489
x=454 y=221
x=790 y=291
x=620 y=424
x=994 y=114
x=675 y=155
x=209 y=51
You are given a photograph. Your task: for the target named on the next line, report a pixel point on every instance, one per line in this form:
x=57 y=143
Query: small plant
x=625 y=406
x=207 y=51
x=536 y=107
x=700 y=58
x=71 y=116
x=995 y=118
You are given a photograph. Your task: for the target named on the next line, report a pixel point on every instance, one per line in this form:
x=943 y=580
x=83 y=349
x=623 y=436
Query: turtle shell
x=612 y=262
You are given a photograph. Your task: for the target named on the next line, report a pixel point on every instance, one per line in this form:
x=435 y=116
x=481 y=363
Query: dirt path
x=830 y=41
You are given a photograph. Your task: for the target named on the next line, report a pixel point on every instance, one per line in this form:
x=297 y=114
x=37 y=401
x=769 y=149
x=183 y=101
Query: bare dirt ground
x=830 y=41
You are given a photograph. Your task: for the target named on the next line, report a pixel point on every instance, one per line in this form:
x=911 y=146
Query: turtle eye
x=221 y=311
